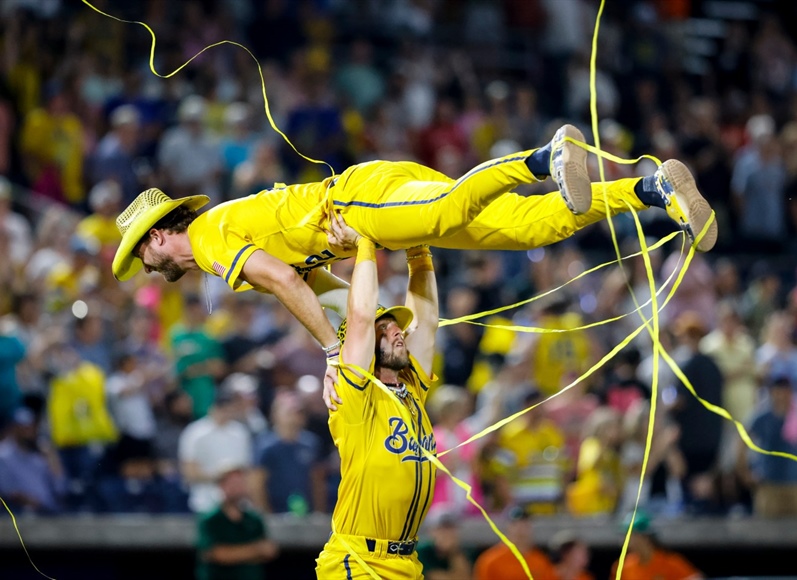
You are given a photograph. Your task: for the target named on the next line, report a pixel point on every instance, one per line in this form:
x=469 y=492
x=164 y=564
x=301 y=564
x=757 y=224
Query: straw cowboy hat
x=139 y=217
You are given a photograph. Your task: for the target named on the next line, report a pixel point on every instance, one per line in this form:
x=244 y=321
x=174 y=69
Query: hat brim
x=125 y=265
x=402 y=314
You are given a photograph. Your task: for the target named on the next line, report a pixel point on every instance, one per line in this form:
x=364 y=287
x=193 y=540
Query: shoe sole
x=574 y=183
x=689 y=208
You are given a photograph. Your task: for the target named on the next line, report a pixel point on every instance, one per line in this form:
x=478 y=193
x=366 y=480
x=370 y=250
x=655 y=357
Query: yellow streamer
x=653 y=329
x=186 y=63
x=21 y=542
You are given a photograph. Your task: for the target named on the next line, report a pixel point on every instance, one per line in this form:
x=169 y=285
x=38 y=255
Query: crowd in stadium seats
x=129 y=397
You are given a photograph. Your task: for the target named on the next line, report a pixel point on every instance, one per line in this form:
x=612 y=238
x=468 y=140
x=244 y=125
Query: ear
x=156 y=237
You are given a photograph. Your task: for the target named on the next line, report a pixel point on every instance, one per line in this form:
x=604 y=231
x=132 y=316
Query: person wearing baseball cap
x=382 y=431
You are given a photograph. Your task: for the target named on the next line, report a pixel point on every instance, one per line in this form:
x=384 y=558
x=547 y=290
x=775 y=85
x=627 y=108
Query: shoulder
x=210 y=518
x=196 y=429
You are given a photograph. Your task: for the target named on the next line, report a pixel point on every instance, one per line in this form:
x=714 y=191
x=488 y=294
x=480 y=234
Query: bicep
x=262 y=270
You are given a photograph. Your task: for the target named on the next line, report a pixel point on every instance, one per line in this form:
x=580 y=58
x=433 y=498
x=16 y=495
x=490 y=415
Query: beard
x=167 y=267
x=395 y=361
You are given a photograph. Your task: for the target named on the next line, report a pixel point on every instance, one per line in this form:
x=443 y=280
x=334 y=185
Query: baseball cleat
x=684 y=204
x=569 y=169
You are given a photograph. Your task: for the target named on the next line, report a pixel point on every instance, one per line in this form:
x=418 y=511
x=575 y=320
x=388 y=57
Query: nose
x=395 y=330
x=147 y=269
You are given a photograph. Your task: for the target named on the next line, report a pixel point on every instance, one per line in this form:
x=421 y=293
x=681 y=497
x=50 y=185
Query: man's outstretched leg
x=403 y=204
x=514 y=222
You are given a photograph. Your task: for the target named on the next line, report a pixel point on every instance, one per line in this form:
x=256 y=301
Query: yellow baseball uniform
x=386 y=483
x=398 y=205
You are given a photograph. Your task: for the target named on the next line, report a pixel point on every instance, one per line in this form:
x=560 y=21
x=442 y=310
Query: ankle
x=539 y=162
x=645 y=189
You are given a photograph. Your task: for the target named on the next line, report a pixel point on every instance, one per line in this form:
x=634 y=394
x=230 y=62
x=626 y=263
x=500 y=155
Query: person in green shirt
x=442 y=556
x=198 y=357
x=232 y=543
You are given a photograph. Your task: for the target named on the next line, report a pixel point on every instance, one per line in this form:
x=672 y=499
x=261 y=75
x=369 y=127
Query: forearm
x=422 y=296
x=231 y=554
x=362 y=300
x=332 y=292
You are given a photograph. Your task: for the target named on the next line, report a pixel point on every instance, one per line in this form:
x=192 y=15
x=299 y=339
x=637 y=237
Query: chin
x=173 y=276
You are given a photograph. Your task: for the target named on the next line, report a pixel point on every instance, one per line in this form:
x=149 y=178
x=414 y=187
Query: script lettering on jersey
x=401 y=442
x=316 y=261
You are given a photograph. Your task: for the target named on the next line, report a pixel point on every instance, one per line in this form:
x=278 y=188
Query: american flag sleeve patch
x=218 y=268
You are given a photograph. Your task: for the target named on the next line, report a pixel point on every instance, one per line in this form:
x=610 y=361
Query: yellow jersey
x=386 y=482
x=560 y=357
x=285 y=222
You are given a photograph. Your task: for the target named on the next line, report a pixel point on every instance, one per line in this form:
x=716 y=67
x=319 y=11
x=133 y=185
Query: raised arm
x=422 y=300
x=265 y=271
x=358 y=348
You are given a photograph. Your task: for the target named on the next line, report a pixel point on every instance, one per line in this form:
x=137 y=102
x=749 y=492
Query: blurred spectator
x=696 y=291
x=777 y=354
x=189 y=159
x=12 y=352
x=80 y=423
x=733 y=349
x=142 y=341
x=244 y=388
x=242 y=346
x=499 y=562
x=239 y=143
x=623 y=389
x=662 y=490
x=450 y=410
x=232 y=540
x=774 y=428
x=557 y=358
x=99 y=227
x=209 y=443
x=129 y=482
x=647 y=559
x=531 y=461
x=443 y=557
x=359 y=81
x=758 y=185
x=175 y=415
x=316 y=122
x=261 y=170
x=52 y=147
x=91 y=342
x=289 y=473
x=31 y=477
x=198 y=357
x=728 y=284
x=701 y=432
x=761 y=298
x=570 y=410
x=16 y=227
x=599 y=478
x=127 y=399
x=117 y=156
x=461 y=341
x=442 y=137
x=570 y=556
x=74 y=277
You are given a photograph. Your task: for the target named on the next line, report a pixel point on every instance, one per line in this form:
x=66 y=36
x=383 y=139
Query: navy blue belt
x=400 y=548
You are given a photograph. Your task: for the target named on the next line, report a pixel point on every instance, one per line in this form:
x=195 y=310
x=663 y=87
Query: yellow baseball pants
x=404 y=204
x=336 y=561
